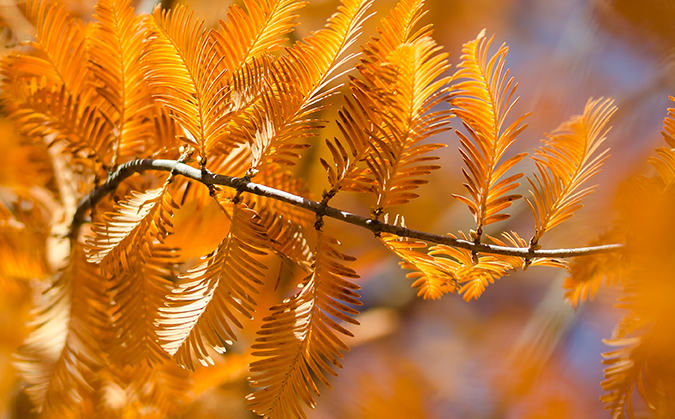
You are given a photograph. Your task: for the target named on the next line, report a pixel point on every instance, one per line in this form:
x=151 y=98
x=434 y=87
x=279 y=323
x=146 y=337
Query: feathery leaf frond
x=645 y=269
x=275 y=124
x=402 y=73
x=569 y=158
x=665 y=162
x=42 y=111
x=128 y=235
x=668 y=131
x=301 y=83
x=138 y=294
x=60 y=358
x=398 y=162
x=61 y=43
x=287 y=238
x=116 y=49
x=200 y=312
x=473 y=274
x=184 y=64
x=398 y=27
x=316 y=58
x=298 y=342
x=346 y=173
x=483 y=101
x=259 y=29
x=431 y=280
x=623 y=374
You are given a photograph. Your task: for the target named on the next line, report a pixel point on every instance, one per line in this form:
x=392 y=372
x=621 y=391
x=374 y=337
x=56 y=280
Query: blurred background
x=519 y=351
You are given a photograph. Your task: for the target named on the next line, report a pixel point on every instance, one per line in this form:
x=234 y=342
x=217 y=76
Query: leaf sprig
x=570 y=157
x=483 y=101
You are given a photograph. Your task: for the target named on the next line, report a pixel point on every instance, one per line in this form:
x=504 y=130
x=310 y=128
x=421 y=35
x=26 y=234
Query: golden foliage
x=298 y=341
x=133 y=304
x=483 y=101
x=60 y=358
x=622 y=375
x=444 y=269
x=127 y=237
x=199 y=311
x=60 y=46
x=287 y=238
x=645 y=334
x=301 y=83
x=472 y=275
x=402 y=72
x=587 y=273
x=315 y=59
x=138 y=294
x=184 y=67
x=395 y=157
x=358 y=118
x=430 y=278
x=566 y=162
x=115 y=59
x=257 y=30
x=53 y=112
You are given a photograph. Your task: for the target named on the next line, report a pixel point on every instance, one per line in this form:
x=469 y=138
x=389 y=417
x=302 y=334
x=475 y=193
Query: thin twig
x=207 y=178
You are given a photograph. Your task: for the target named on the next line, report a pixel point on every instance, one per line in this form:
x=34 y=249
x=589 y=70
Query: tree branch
x=207 y=178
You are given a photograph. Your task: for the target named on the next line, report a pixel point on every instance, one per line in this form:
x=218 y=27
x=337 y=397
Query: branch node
x=531 y=254
x=320 y=211
x=242 y=186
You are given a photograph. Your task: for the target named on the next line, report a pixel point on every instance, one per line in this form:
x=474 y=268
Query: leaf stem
x=241 y=184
